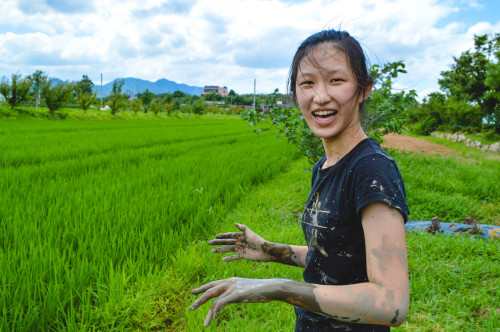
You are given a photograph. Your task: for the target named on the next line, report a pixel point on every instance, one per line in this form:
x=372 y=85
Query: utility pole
x=101 y=91
x=254 y=84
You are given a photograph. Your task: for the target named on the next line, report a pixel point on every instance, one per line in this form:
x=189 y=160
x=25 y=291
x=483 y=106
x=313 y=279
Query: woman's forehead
x=324 y=58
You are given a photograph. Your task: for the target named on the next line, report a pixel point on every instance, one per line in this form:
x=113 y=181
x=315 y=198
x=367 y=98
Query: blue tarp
x=483 y=231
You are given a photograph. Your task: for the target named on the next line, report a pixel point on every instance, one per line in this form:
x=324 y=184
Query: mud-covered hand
x=235 y=290
x=246 y=244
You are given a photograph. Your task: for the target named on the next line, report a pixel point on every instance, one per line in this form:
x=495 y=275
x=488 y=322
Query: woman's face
x=327 y=93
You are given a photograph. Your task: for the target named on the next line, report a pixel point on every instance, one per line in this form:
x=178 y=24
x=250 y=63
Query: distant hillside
x=133 y=86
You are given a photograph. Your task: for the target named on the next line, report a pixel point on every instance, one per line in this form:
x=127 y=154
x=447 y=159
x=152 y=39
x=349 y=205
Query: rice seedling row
x=89 y=208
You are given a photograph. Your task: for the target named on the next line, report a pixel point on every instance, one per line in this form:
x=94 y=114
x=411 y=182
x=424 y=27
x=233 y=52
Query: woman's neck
x=338 y=147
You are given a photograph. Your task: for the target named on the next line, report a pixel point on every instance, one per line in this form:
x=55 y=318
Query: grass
x=104 y=225
x=453 y=280
x=90 y=209
x=43 y=113
x=452 y=187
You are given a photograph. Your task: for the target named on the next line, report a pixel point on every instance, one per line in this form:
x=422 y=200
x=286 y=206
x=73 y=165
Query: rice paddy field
x=103 y=225
x=90 y=208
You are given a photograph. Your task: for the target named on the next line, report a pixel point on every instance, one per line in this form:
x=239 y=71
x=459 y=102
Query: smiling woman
x=355 y=262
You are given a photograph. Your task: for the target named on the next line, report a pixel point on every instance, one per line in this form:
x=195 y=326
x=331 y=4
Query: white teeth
x=323 y=114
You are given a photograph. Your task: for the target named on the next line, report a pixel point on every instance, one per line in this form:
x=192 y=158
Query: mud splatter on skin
x=237 y=290
x=300 y=294
x=281 y=253
x=395 y=319
x=254 y=248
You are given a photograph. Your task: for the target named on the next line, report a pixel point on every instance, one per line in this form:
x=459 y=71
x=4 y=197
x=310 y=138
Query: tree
x=56 y=96
x=212 y=96
x=168 y=98
x=156 y=106
x=178 y=94
x=169 y=106
x=492 y=97
x=467 y=79
x=38 y=77
x=386 y=111
x=16 y=91
x=430 y=115
x=146 y=98
x=116 y=97
x=136 y=105
x=288 y=123
x=85 y=85
x=85 y=100
x=199 y=107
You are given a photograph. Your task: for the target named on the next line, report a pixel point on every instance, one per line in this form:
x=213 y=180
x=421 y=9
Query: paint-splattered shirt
x=332 y=223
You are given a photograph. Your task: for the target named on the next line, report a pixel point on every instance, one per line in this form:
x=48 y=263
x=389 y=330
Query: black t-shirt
x=332 y=223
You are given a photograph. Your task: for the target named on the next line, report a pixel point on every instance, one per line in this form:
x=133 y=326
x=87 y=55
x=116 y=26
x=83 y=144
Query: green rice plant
x=103 y=225
x=452 y=188
x=92 y=208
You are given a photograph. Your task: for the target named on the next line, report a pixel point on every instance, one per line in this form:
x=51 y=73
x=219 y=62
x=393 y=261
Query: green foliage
x=85 y=100
x=117 y=99
x=84 y=86
x=169 y=106
x=289 y=123
x=178 y=94
x=38 y=78
x=386 y=111
x=56 y=96
x=146 y=98
x=136 y=105
x=473 y=77
x=213 y=97
x=199 y=107
x=430 y=115
x=15 y=91
x=472 y=93
x=156 y=106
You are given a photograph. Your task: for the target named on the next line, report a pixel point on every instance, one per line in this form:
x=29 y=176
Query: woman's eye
x=305 y=83
x=335 y=80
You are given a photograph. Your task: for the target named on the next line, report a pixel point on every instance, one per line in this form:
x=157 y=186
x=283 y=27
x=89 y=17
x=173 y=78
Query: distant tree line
x=39 y=89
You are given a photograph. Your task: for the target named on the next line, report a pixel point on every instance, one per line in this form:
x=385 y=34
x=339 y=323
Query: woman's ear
x=367 y=92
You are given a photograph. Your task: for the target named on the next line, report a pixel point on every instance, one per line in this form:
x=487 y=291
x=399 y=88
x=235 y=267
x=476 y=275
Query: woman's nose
x=321 y=94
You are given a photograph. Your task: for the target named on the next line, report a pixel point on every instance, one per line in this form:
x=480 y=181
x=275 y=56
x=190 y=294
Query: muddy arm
x=383 y=300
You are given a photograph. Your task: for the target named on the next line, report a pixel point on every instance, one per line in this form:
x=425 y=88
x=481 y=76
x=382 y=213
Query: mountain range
x=133 y=86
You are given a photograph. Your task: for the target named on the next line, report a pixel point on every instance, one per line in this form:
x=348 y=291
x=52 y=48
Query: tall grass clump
x=91 y=210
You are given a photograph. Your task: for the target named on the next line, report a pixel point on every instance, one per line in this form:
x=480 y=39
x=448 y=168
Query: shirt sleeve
x=376 y=178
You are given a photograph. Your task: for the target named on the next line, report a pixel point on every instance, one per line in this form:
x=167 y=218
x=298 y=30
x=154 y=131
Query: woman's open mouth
x=325 y=115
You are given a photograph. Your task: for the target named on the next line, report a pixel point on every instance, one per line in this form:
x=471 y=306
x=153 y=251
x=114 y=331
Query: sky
x=231 y=42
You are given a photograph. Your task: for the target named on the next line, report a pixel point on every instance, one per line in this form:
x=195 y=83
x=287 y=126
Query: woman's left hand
x=235 y=290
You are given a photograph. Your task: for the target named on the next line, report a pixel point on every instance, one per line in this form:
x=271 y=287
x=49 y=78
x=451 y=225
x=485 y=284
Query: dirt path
x=416 y=145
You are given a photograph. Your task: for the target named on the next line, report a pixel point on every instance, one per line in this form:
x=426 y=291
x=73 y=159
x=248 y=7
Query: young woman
x=355 y=263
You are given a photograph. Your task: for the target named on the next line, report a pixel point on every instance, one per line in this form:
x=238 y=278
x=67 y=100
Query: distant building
x=215 y=89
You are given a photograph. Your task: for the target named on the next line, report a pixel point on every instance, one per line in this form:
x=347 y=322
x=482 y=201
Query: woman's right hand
x=246 y=244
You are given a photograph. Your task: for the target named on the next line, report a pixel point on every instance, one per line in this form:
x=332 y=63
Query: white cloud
x=224 y=42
